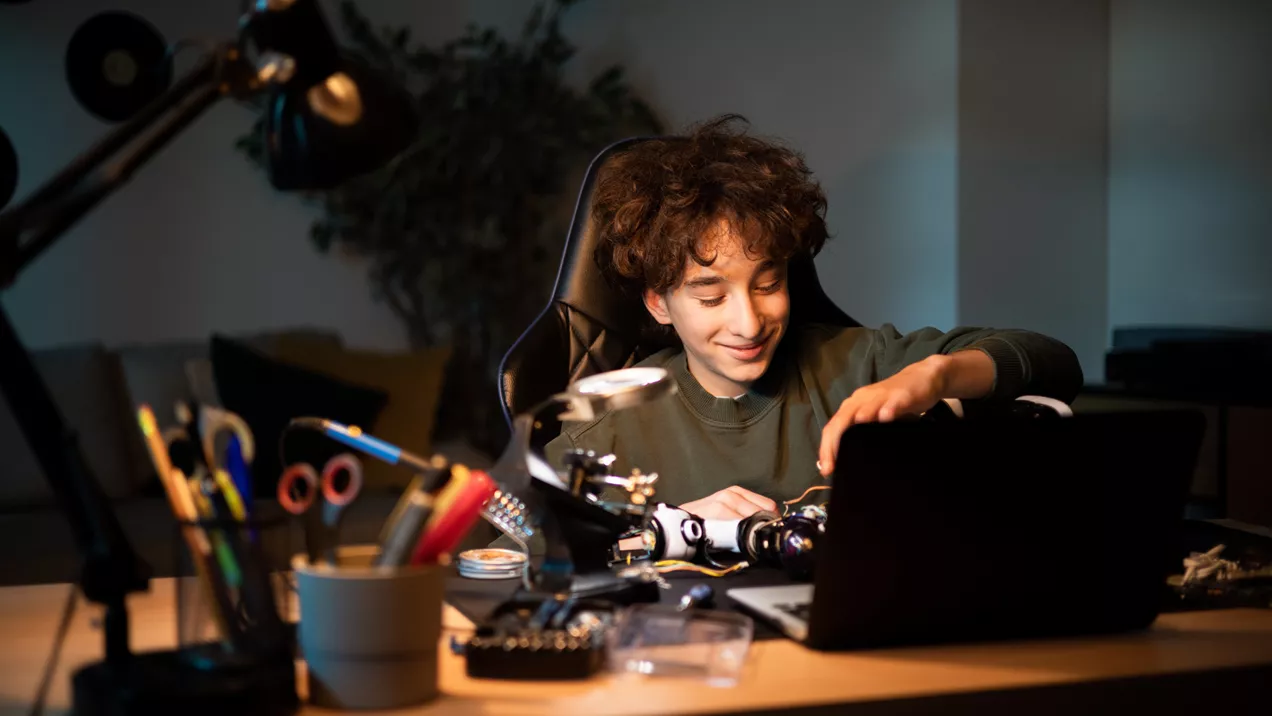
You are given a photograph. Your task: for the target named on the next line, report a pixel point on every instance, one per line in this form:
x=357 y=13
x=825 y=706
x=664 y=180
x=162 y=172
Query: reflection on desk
x=1225 y=655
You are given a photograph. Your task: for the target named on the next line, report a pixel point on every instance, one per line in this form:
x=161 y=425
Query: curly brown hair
x=655 y=203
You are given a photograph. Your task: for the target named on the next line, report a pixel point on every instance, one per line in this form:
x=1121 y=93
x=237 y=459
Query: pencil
x=154 y=442
x=216 y=584
x=225 y=556
x=182 y=504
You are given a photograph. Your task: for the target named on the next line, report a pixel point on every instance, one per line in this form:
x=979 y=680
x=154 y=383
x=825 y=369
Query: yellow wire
x=788 y=503
x=676 y=565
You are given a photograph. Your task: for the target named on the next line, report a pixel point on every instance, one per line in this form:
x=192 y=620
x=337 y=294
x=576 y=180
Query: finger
x=742 y=506
x=697 y=507
x=754 y=498
x=868 y=412
x=831 y=434
x=888 y=412
x=716 y=510
x=709 y=508
x=832 y=430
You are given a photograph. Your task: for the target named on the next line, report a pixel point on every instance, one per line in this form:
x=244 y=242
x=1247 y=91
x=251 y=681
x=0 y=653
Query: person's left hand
x=912 y=391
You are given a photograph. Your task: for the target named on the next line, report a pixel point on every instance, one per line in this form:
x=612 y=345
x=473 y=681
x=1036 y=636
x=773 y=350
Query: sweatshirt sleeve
x=1025 y=363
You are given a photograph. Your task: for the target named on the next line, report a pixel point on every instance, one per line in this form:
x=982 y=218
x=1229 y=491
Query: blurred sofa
x=98 y=389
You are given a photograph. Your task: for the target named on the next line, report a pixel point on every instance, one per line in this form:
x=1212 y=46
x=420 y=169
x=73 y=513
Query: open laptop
x=993 y=529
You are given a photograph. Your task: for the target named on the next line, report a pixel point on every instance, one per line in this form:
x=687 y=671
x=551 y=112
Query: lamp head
x=329 y=117
x=615 y=390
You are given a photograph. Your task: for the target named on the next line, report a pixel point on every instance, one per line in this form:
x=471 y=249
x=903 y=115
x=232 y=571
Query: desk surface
x=1226 y=652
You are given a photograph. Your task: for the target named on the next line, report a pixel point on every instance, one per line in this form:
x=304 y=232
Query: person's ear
x=656 y=304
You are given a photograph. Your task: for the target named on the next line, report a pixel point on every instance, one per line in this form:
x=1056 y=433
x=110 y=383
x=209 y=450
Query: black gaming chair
x=590 y=326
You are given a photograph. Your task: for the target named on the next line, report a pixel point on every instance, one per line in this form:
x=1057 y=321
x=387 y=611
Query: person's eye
x=710 y=302
x=770 y=287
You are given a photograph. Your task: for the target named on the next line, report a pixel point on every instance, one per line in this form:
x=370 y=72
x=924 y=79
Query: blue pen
x=240 y=474
x=353 y=436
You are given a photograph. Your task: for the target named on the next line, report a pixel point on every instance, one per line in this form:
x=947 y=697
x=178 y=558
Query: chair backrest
x=591 y=327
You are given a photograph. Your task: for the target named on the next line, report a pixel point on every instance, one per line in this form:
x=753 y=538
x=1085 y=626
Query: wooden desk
x=1197 y=662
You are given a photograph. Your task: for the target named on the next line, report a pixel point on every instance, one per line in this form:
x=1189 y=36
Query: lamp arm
x=30 y=228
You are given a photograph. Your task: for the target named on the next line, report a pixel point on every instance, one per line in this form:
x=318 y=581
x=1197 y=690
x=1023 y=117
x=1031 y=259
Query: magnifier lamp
x=576 y=532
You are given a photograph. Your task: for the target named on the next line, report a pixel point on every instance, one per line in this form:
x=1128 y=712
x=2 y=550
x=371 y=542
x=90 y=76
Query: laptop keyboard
x=799 y=611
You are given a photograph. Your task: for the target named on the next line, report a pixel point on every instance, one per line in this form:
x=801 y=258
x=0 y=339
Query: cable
x=787 y=505
x=677 y=565
x=68 y=611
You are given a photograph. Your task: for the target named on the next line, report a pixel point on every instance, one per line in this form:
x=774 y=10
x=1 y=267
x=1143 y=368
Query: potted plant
x=463 y=231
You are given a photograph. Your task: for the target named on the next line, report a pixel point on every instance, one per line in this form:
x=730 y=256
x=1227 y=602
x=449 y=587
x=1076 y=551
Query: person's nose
x=746 y=321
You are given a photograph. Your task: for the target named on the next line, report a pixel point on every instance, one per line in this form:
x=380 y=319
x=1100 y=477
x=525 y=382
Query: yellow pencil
x=216 y=583
x=154 y=442
x=232 y=497
x=182 y=504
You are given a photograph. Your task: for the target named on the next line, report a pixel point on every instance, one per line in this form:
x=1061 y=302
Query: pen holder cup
x=227 y=572
x=369 y=635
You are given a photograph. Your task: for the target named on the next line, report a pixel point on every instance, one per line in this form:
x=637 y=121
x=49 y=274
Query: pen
x=262 y=620
x=400 y=541
x=399 y=509
x=233 y=500
x=216 y=586
x=225 y=557
x=457 y=507
x=183 y=508
x=402 y=529
x=178 y=492
x=353 y=436
x=236 y=466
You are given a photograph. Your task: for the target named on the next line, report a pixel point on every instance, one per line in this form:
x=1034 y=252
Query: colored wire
x=787 y=505
x=676 y=565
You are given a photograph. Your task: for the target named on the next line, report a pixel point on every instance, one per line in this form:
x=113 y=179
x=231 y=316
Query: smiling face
x=730 y=315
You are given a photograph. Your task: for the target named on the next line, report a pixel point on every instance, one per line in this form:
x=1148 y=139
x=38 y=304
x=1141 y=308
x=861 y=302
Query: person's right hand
x=731 y=503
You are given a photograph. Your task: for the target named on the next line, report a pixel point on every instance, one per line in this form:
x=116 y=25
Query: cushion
x=268 y=393
x=412 y=382
x=87 y=384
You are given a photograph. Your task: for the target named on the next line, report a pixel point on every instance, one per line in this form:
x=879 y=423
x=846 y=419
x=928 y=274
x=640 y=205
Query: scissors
x=197 y=431
x=298 y=490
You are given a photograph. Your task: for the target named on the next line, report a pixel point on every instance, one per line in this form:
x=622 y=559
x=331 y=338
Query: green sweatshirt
x=767 y=440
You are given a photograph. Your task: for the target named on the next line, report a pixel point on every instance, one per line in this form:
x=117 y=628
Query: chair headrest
x=580 y=283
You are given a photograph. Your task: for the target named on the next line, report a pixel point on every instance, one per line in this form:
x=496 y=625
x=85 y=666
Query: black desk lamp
x=327 y=119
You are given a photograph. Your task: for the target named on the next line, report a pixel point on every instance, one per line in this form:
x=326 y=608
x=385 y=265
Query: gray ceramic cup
x=369 y=635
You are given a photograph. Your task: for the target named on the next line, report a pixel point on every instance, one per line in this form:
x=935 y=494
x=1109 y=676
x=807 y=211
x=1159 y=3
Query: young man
x=702 y=228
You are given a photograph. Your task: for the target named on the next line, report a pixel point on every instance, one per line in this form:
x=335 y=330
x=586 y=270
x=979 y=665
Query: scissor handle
x=214 y=421
x=347 y=463
x=303 y=472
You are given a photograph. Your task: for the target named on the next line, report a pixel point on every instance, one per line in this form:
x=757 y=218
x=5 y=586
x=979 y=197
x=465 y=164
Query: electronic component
x=788 y=543
x=510 y=516
x=491 y=563
x=675 y=538
x=532 y=637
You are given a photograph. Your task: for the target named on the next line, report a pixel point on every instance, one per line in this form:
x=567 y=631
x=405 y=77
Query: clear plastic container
x=660 y=640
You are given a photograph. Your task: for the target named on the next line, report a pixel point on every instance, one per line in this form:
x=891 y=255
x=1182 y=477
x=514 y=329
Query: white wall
x=1033 y=146
x=1190 y=184
x=865 y=88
